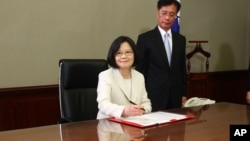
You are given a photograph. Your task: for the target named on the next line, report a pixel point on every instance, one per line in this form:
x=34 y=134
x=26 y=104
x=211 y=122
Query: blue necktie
x=167 y=47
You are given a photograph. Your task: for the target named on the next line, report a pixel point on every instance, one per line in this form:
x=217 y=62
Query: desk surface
x=212 y=123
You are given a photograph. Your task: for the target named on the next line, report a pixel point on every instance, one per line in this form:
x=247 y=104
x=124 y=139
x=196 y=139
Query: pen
x=135 y=104
x=131 y=102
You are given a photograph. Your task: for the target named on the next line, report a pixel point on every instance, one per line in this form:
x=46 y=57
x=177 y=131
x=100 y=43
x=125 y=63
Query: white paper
x=154 y=118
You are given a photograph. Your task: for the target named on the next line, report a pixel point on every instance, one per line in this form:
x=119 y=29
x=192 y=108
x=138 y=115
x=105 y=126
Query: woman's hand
x=133 y=110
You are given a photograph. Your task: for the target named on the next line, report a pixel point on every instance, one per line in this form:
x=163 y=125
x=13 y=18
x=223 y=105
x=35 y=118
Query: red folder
x=152 y=119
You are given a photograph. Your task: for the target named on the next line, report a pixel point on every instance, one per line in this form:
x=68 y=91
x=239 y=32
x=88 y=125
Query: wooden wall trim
x=25 y=107
x=223 y=86
x=30 y=89
x=230 y=74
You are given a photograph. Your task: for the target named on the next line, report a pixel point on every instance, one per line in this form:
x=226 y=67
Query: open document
x=151 y=119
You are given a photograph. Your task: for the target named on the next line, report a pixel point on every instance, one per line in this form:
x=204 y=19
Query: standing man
x=165 y=77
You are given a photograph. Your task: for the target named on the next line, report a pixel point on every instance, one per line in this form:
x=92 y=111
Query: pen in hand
x=131 y=102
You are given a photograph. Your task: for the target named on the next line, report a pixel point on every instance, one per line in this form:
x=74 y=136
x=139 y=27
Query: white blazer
x=112 y=95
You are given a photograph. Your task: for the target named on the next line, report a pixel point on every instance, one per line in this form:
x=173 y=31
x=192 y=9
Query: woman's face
x=124 y=57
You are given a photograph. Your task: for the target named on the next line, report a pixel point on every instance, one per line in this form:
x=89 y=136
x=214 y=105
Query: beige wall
x=35 y=34
x=225 y=24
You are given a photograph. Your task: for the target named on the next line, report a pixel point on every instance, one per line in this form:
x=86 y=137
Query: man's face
x=166 y=16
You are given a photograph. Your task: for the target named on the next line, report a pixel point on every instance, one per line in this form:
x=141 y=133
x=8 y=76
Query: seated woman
x=121 y=89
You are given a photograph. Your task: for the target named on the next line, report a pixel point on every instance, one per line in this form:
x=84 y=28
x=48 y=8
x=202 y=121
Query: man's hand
x=248 y=97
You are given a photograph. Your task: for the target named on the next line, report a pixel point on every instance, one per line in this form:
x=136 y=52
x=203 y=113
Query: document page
x=150 y=119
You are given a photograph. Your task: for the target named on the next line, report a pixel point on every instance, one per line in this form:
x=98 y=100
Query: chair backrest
x=77 y=88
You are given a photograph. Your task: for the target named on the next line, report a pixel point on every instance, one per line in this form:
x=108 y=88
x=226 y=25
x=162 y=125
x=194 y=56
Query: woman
x=121 y=89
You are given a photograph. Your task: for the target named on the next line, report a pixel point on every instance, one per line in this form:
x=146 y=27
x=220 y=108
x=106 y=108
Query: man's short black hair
x=162 y=3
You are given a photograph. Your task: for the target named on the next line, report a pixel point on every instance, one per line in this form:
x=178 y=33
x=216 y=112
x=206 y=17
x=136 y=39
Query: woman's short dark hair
x=115 y=46
x=162 y=3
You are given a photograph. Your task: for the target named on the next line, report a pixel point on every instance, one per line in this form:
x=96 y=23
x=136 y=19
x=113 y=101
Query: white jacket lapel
x=134 y=86
x=120 y=82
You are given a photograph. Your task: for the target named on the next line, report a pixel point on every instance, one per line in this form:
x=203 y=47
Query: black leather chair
x=77 y=88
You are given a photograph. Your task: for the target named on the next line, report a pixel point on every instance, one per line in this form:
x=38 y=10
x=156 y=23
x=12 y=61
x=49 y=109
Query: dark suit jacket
x=164 y=83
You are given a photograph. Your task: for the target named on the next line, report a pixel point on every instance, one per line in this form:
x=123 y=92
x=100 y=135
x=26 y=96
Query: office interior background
x=35 y=34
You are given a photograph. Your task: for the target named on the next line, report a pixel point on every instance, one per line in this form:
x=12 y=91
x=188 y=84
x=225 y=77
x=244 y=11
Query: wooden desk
x=212 y=123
